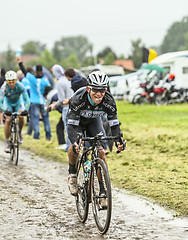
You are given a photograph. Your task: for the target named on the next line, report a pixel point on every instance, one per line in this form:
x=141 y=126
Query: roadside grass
x=155 y=161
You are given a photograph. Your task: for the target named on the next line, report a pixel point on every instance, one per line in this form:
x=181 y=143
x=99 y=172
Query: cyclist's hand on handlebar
x=24 y=113
x=76 y=148
x=121 y=146
x=8 y=113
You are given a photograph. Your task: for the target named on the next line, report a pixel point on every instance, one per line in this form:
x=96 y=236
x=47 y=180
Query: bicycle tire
x=101 y=215
x=15 y=145
x=82 y=202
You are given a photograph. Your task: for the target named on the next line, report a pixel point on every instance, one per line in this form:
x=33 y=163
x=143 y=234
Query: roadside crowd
x=45 y=95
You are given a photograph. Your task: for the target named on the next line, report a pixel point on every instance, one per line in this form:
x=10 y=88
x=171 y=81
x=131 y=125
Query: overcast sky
x=104 y=22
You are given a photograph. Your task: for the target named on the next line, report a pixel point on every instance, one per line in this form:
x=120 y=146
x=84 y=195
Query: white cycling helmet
x=98 y=79
x=10 y=76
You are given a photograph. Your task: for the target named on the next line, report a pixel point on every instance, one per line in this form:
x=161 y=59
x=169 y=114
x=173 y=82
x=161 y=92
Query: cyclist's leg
x=72 y=134
x=19 y=107
x=7 y=124
x=72 y=178
x=7 y=107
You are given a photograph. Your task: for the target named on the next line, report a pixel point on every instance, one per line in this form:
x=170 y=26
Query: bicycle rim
x=102 y=215
x=82 y=203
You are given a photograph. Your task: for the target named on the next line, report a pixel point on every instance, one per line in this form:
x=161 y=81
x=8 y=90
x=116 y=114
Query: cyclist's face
x=11 y=84
x=96 y=96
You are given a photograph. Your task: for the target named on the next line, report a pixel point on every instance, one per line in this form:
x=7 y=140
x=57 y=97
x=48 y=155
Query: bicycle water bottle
x=87 y=167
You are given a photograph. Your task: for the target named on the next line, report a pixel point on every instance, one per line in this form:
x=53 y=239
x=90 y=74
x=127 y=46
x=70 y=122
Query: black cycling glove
x=24 y=113
x=8 y=113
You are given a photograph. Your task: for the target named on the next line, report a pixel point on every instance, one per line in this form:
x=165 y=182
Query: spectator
x=2 y=76
x=52 y=97
x=2 y=80
x=25 y=82
x=37 y=85
x=48 y=75
x=64 y=92
x=76 y=80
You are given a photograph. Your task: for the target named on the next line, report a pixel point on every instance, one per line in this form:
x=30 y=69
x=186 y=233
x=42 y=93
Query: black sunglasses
x=95 y=90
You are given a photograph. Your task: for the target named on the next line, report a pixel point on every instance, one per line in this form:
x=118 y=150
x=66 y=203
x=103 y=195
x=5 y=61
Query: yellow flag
x=152 y=55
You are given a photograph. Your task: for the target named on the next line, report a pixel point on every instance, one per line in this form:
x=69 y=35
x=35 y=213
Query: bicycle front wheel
x=82 y=203
x=101 y=195
x=14 y=149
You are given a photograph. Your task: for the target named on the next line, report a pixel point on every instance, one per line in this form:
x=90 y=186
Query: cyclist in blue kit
x=11 y=100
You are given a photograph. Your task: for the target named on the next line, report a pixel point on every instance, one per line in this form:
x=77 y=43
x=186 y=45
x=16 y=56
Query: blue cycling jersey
x=13 y=96
x=37 y=86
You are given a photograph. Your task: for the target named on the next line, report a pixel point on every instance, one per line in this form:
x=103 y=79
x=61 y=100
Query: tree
x=87 y=61
x=45 y=59
x=175 y=38
x=185 y=47
x=137 y=53
x=32 y=47
x=109 y=59
x=71 y=61
x=105 y=52
x=9 y=59
x=78 y=46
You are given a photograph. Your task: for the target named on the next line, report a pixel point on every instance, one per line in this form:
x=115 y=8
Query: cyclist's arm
x=1 y=103
x=115 y=129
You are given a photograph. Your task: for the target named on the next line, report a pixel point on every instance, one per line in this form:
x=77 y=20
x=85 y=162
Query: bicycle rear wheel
x=14 y=148
x=82 y=203
x=102 y=214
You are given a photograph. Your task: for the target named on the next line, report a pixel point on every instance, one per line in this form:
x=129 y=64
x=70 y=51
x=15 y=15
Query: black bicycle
x=94 y=183
x=14 y=139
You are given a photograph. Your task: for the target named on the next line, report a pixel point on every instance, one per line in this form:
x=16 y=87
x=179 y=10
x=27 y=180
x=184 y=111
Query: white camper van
x=177 y=63
x=110 y=70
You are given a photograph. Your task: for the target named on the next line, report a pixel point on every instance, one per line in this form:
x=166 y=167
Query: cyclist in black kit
x=87 y=106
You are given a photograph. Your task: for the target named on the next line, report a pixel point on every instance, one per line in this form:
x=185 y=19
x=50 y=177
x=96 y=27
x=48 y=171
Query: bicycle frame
x=94 y=187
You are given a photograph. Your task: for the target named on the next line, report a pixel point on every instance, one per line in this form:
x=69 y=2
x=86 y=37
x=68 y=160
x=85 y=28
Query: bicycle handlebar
x=8 y=113
x=99 y=136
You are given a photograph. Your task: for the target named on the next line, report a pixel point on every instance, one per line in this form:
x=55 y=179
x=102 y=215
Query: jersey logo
x=73 y=122
x=91 y=114
x=113 y=122
x=109 y=106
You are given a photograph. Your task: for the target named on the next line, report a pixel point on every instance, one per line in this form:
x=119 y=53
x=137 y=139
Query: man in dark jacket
x=2 y=76
x=76 y=80
x=2 y=79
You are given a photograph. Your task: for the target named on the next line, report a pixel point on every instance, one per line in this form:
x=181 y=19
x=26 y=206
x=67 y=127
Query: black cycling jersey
x=82 y=110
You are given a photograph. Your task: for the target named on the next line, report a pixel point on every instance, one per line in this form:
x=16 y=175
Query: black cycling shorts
x=92 y=127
